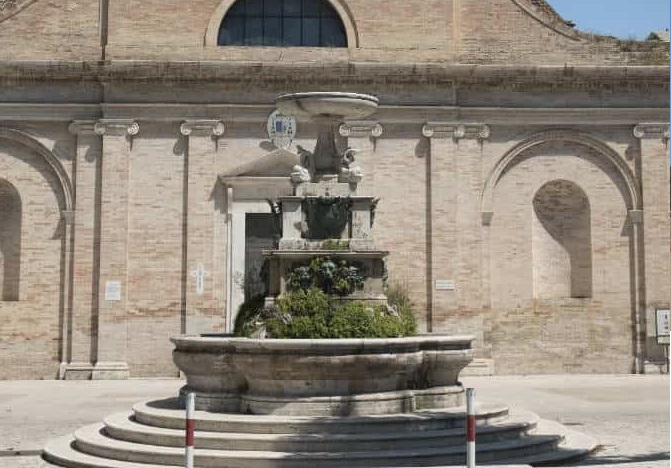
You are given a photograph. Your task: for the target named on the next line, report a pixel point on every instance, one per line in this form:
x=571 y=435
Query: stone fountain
x=326 y=403
x=325 y=216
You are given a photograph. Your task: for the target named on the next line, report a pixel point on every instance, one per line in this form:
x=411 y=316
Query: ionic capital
x=652 y=131
x=361 y=128
x=82 y=127
x=116 y=127
x=456 y=131
x=213 y=128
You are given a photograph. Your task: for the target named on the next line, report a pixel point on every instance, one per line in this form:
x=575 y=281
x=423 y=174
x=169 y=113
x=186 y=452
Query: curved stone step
x=60 y=452
x=93 y=441
x=574 y=446
x=121 y=426
x=168 y=414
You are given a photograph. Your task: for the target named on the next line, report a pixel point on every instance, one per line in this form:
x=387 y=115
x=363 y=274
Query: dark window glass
x=307 y=23
x=292 y=7
x=254 y=7
x=272 y=8
x=272 y=31
x=254 y=31
x=291 y=33
x=332 y=33
x=311 y=32
x=311 y=8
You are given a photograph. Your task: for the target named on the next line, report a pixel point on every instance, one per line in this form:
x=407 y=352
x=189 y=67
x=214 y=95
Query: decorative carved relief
x=456 y=131
x=359 y=129
x=117 y=127
x=213 y=128
x=652 y=130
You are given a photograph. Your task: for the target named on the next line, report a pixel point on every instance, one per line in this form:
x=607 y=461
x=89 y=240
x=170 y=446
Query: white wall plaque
x=663 y=317
x=113 y=290
x=445 y=285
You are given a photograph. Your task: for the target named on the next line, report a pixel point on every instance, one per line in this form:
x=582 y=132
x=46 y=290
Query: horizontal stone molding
x=82 y=127
x=456 y=131
x=359 y=129
x=213 y=128
x=652 y=130
x=223 y=71
x=117 y=127
x=386 y=114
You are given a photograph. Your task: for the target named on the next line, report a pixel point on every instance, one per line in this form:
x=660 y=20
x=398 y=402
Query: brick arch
x=625 y=176
x=345 y=14
x=65 y=198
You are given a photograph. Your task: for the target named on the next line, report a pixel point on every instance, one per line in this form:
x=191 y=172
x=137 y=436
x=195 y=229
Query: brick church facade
x=522 y=168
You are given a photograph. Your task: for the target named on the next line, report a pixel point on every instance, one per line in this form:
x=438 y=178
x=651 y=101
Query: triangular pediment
x=277 y=163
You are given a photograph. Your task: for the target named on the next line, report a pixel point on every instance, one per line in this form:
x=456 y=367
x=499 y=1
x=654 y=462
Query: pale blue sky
x=621 y=18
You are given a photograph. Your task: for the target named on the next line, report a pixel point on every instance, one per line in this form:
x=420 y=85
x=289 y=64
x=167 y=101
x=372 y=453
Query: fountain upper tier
x=330 y=105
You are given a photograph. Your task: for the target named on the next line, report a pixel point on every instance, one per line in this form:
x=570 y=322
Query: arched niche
x=65 y=192
x=10 y=241
x=342 y=10
x=620 y=173
x=561 y=242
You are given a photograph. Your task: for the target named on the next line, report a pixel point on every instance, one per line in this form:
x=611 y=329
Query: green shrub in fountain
x=311 y=313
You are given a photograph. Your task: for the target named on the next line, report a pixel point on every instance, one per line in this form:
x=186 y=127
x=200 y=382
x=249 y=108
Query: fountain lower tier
x=339 y=377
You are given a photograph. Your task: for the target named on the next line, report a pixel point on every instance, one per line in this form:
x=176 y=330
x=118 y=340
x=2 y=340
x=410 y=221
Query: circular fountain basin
x=336 y=105
x=323 y=377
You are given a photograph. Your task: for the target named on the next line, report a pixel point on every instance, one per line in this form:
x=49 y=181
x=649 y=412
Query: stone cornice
x=456 y=130
x=655 y=130
x=360 y=128
x=258 y=113
x=213 y=128
x=573 y=77
x=116 y=127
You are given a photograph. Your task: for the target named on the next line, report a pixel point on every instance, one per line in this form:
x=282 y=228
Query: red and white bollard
x=470 y=427
x=190 y=427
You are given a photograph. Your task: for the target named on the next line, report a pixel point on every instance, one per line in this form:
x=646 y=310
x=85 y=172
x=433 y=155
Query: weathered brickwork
x=522 y=169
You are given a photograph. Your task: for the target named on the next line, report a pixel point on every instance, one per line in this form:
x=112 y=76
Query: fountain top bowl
x=334 y=105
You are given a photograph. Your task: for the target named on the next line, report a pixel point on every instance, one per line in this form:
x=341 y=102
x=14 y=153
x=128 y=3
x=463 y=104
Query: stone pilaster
x=201 y=304
x=441 y=212
x=84 y=288
x=117 y=137
x=362 y=136
x=456 y=224
x=654 y=154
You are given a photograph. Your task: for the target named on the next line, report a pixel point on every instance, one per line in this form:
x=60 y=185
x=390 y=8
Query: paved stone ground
x=628 y=414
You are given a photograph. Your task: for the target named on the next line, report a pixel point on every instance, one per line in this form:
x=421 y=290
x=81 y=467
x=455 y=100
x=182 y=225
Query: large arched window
x=282 y=23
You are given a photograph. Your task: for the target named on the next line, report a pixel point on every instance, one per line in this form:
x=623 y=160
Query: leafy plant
x=313 y=313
